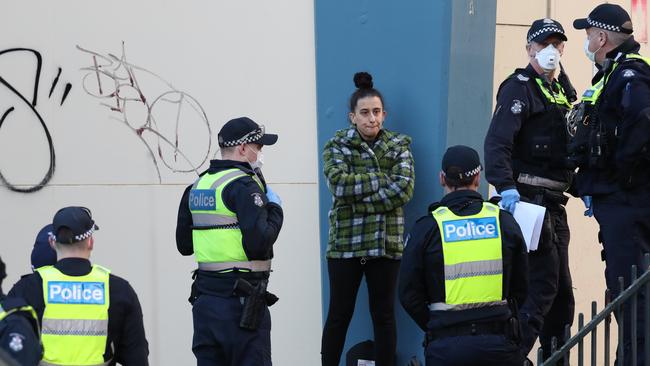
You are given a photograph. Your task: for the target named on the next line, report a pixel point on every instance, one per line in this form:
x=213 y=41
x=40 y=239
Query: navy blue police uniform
x=126 y=343
x=451 y=340
x=526 y=150
x=217 y=308
x=463 y=291
x=19 y=330
x=614 y=160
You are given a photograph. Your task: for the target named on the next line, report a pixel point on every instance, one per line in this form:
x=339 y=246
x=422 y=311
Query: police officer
x=526 y=158
x=464 y=268
x=43 y=253
x=229 y=219
x=611 y=147
x=88 y=315
x=19 y=330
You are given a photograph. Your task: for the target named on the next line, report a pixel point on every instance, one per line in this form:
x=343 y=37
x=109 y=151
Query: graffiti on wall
x=28 y=102
x=157 y=114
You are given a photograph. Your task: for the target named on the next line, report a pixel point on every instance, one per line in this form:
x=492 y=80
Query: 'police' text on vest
x=470 y=229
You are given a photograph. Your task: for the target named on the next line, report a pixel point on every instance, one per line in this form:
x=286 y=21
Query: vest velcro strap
x=253 y=266
x=536 y=181
x=441 y=306
x=45 y=363
x=204 y=219
x=473 y=269
x=75 y=327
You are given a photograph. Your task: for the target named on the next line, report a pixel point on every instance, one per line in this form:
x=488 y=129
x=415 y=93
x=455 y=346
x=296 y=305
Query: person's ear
x=602 y=37
x=241 y=149
x=351 y=117
x=91 y=243
x=441 y=178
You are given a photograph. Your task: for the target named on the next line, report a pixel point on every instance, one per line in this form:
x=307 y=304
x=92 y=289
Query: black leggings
x=344 y=279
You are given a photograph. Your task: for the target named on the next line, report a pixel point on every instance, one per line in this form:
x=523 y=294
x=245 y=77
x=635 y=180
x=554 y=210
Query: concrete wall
x=252 y=58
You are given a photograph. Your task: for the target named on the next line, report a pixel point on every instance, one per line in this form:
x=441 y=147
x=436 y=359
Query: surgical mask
x=590 y=55
x=259 y=161
x=548 y=58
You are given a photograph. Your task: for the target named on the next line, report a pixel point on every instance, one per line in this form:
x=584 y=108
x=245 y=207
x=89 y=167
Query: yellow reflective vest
x=590 y=96
x=75 y=320
x=216 y=236
x=553 y=97
x=27 y=309
x=473 y=259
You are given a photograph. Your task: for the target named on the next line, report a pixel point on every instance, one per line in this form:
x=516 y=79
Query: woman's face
x=368 y=117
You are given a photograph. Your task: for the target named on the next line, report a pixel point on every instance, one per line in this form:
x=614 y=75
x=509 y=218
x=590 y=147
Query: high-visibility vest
x=216 y=235
x=591 y=95
x=473 y=258
x=5 y=312
x=75 y=320
x=553 y=97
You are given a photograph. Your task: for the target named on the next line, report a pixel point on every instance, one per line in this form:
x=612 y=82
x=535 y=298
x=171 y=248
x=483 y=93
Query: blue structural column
x=433 y=62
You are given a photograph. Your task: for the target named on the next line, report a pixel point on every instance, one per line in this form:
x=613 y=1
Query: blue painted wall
x=433 y=62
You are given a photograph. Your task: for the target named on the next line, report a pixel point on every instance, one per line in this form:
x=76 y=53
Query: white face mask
x=590 y=55
x=259 y=161
x=548 y=58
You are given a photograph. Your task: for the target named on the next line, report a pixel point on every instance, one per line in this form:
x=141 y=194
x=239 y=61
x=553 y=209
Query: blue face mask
x=590 y=55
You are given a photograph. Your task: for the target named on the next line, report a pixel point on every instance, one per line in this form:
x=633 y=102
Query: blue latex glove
x=272 y=196
x=509 y=199
x=587 y=201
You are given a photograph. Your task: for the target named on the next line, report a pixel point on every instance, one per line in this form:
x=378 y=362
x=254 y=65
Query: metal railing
x=617 y=306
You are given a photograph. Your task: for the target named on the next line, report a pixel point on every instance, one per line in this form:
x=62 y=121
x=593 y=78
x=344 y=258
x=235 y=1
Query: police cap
x=78 y=220
x=244 y=130
x=42 y=253
x=609 y=17
x=460 y=162
x=544 y=28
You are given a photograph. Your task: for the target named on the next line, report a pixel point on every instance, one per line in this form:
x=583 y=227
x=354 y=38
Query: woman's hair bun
x=363 y=80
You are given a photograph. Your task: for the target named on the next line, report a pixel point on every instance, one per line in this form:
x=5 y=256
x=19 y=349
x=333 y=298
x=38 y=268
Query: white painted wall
x=236 y=58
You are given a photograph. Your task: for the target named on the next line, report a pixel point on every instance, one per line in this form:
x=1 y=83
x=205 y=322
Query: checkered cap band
x=544 y=30
x=468 y=174
x=597 y=24
x=248 y=138
x=81 y=237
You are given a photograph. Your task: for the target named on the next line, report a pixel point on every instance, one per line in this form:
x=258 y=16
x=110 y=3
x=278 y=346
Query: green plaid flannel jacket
x=370 y=185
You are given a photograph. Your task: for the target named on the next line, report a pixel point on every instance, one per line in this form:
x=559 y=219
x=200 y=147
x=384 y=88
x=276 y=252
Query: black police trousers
x=550 y=305
x=624 y=219
x=473 y=350
x=219 y=341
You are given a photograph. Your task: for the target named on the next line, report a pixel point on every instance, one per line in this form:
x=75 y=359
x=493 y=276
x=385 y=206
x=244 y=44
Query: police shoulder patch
x=257 y=199
x=628 y=73
x=522 y=77
x=16 y=342
x=517 y=106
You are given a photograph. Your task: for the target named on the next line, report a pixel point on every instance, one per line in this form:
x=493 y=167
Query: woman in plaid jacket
x=370 y=172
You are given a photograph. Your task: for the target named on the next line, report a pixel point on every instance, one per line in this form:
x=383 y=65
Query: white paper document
x=530 y=218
